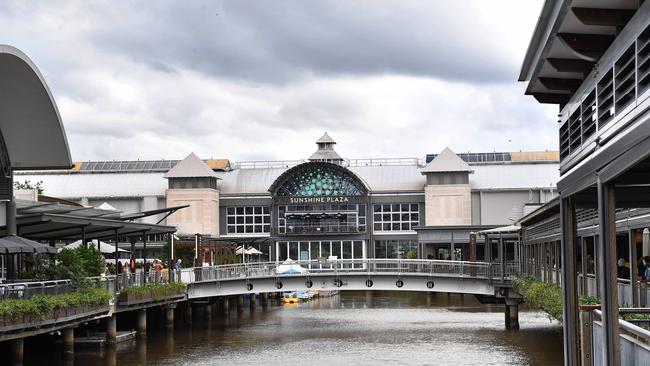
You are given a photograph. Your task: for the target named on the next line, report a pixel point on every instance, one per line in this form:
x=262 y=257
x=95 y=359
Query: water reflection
x=353 y=328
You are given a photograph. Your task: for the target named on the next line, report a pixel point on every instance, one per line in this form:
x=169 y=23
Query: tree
x=28 y=185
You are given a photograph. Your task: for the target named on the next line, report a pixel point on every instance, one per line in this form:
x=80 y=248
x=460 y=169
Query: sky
x=263 y=80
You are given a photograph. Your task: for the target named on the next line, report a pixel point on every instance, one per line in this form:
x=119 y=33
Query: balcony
x=319 y=229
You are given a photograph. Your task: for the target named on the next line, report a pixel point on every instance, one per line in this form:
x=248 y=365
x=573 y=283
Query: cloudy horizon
x=253 y=80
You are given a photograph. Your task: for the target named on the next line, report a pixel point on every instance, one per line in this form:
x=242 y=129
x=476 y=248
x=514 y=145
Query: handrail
x=629 y=327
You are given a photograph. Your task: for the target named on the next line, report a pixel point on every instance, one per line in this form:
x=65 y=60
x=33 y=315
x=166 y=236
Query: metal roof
x=29 y=118
x=447 y=161
x=191 y=167
x=325 y=139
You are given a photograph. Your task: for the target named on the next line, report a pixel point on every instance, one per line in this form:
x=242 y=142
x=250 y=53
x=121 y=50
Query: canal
x=389 y=329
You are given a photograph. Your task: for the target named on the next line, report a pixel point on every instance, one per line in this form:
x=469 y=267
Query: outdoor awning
x=511 y=229
x=103 y=247
x=48 y=226
x=16 y=244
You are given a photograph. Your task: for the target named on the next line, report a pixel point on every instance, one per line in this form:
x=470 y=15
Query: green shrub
x=42 y=306
x=156 y=292
x=546 y=296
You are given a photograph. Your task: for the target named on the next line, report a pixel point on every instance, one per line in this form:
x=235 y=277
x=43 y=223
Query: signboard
x=319 y=200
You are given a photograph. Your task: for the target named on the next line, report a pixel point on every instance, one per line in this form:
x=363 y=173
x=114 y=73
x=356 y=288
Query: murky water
x=399 y=329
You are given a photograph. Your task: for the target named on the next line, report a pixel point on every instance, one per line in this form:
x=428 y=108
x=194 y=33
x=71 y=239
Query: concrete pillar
x=68 y=339
x=17 y=347
x=370 y=299
x=111 y=330
x=512 y=316
x=188 y=313
x=142 y=322
x=169 y=317
x=110 y=356
x=429 y=298
x=265 y=299
x=253 y=301
x=225 y=305
x=208 y=312
x=240 y=303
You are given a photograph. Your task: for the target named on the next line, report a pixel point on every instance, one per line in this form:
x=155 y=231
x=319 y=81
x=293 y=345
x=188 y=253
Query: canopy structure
x=103 y=247
x=13 y=244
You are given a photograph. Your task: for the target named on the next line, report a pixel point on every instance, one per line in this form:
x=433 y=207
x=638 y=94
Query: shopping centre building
x=322 y=206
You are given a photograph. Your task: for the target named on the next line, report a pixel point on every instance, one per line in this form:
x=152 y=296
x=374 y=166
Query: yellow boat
x=289 y=298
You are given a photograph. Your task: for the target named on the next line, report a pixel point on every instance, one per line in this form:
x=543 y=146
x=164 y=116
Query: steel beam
x=633 y=268
x=607 y=269
x=570 y=307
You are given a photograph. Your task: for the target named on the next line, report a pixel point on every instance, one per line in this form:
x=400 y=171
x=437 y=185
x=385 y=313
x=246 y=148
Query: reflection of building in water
x=325 y=206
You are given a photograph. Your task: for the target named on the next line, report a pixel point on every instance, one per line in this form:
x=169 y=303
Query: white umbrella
x=105 y=247
x=252 y=250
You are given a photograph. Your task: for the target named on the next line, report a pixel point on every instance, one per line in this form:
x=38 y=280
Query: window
x=248 y=220
x=392 y=249
x=396 y=217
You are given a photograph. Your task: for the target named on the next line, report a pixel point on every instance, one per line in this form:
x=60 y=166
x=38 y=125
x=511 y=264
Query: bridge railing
x=339 y=266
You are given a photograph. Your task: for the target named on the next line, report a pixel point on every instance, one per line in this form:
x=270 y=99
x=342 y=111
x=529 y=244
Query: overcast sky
x=262 y=80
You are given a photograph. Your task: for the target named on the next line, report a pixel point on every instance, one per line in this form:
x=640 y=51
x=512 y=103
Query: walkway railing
x=341 y=267
x=634 y=338
x=25 y=290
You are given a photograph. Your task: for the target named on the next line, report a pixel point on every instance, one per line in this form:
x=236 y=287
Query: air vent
x=643 y=60
x=588 y=108
x=575 y=138
x=625 y=79
x=564 y=140
x=605 y=90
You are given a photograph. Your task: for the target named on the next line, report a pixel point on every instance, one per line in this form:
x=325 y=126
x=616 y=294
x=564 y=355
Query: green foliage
x=42 y=306
x=411 y=254
x=156 y=292
x=546 y=296
x=228 y=257
x=74 y=264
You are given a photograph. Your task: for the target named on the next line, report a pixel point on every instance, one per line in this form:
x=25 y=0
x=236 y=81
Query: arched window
x=318 y=180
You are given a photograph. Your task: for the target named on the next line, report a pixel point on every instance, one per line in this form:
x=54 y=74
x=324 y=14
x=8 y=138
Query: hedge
x=156 y=291
x=41 y=306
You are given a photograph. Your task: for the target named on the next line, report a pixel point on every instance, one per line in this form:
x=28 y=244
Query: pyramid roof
x=447 y=161
x=190 y=167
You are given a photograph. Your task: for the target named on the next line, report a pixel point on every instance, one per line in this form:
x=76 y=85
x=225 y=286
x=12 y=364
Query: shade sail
x=17 y=244
x=104 y=247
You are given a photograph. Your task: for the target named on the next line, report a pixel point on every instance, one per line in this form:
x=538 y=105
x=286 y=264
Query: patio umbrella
x=252 y=250
x=28 y=246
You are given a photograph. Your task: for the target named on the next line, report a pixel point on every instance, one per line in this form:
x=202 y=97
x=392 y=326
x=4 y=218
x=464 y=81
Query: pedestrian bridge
x=477 y=278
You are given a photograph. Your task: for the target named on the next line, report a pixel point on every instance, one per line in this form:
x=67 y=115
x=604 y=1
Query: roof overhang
x=568 y=40
x=29 y=119
x=68 y=227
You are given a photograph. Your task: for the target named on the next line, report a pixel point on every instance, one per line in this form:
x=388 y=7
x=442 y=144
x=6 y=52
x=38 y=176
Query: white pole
x=172 y=250
x=196 y=247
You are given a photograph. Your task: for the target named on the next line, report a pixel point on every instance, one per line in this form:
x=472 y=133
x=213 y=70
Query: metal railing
x=341 y=267
x=320 y=229
x=634 y=340
x=26 y=290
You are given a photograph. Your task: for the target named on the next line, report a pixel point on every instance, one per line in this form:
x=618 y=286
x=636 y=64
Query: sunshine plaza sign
x=318 y=200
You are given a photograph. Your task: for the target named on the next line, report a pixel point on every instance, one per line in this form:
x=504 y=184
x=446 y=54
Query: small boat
x=290 y=298
x=314 y=293
x=304 y=295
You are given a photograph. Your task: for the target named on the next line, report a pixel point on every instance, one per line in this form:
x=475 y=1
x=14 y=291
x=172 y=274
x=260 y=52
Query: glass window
x=314 y=250
x=325 y=249
x=293 y=250
x=248 y=219
x=395 y=217
x=336 y=249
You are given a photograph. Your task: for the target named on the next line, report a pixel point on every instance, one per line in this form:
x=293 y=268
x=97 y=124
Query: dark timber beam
x=605 y=17
x=551 y=98
x=560 y=84
x=571 y=65
x=589 y=45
